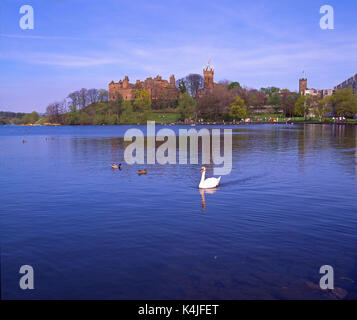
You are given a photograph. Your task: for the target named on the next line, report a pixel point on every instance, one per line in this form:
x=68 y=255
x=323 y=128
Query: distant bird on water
x=116 y=166
x=140 y=172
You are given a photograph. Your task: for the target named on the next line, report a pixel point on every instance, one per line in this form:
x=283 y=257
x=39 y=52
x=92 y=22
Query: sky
x=88 y=43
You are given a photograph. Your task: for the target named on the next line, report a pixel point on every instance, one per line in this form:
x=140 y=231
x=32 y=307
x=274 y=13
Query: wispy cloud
x=62 y=60
x=65 y=60
x=38 y=37
x=184 y=58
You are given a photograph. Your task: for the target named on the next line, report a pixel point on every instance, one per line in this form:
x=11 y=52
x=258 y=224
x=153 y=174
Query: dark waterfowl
x=116 y=166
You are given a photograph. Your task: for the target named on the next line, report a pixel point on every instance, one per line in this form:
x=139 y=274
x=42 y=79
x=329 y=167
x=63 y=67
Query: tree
x=238 y=109
x=275 y=101
x=75 y=98
x=92 y=95
x=116 y=106
x=181 y=85
x=83 y=99
x=142 y=104
x=301 y=107
x=343 y=103
x=233 y=85
x=32 y=117
x=128 y=116
x=288 y=101
x=142 y=101
x=101 y=118
x=256 y=98
x=56 y=112
x=103 y=95
x=163 y=99
x=186 y=106
x=85 y=119
x=215 y=103
x=225 y=83
x=194 y=82
x=270 y=90
x=73 y=118
x=304 y=104
x=321 y=108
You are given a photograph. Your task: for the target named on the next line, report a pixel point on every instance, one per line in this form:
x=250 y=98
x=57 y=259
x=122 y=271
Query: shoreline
x=192 y=124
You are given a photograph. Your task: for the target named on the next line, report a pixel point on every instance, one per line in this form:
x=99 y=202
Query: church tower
x=172 y=81
x=208 y=74
x=302 y=86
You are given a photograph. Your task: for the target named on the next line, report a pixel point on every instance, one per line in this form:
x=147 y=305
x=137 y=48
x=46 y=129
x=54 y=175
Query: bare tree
x=256 y=98
x=288 y=102
x=194 y=82
x=56 y=112
x=83 y=99
x=225 y=83
x=181 y=85
x=103 y=95
x=92 y=95
x=215 y=103
x=75 y=97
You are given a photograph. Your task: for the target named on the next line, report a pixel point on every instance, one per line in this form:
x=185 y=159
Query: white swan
x=210 y=183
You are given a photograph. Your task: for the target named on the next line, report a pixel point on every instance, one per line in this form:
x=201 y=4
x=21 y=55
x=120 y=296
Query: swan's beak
x=202 y=170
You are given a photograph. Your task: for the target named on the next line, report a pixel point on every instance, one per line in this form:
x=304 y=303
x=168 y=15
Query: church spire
x=208 y=67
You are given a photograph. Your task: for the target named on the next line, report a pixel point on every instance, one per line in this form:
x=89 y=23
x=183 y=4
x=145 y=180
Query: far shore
x=198 y=124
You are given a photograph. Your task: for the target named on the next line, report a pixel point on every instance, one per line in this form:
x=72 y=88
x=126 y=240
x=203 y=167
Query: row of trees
x=67 y=110
x=226 y=101
x=342 y=103
x=100 y=111
x=7 y=117
x=229 y=100
x=217 y=103
x=18 y=118
x=81 y=98
x=222 y=102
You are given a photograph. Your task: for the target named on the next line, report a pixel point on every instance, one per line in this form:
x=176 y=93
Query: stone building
x=158 y=88
x=305 y=91
x=350 y=83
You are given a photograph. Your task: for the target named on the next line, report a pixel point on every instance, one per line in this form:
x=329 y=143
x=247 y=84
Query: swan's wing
x=211 y=182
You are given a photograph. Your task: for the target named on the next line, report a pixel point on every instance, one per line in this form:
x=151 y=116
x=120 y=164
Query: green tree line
x=226 y=101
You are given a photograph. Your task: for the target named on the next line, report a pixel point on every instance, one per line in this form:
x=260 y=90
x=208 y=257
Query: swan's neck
x=203 y=176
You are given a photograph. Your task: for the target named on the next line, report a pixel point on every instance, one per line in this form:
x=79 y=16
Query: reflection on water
x=287 y=208
x=203 y=192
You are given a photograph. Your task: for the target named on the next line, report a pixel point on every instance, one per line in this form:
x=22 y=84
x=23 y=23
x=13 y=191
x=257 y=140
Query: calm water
x=288 y=207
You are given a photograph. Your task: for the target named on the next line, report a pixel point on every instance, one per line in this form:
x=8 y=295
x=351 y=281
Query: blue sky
x=88 y=43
